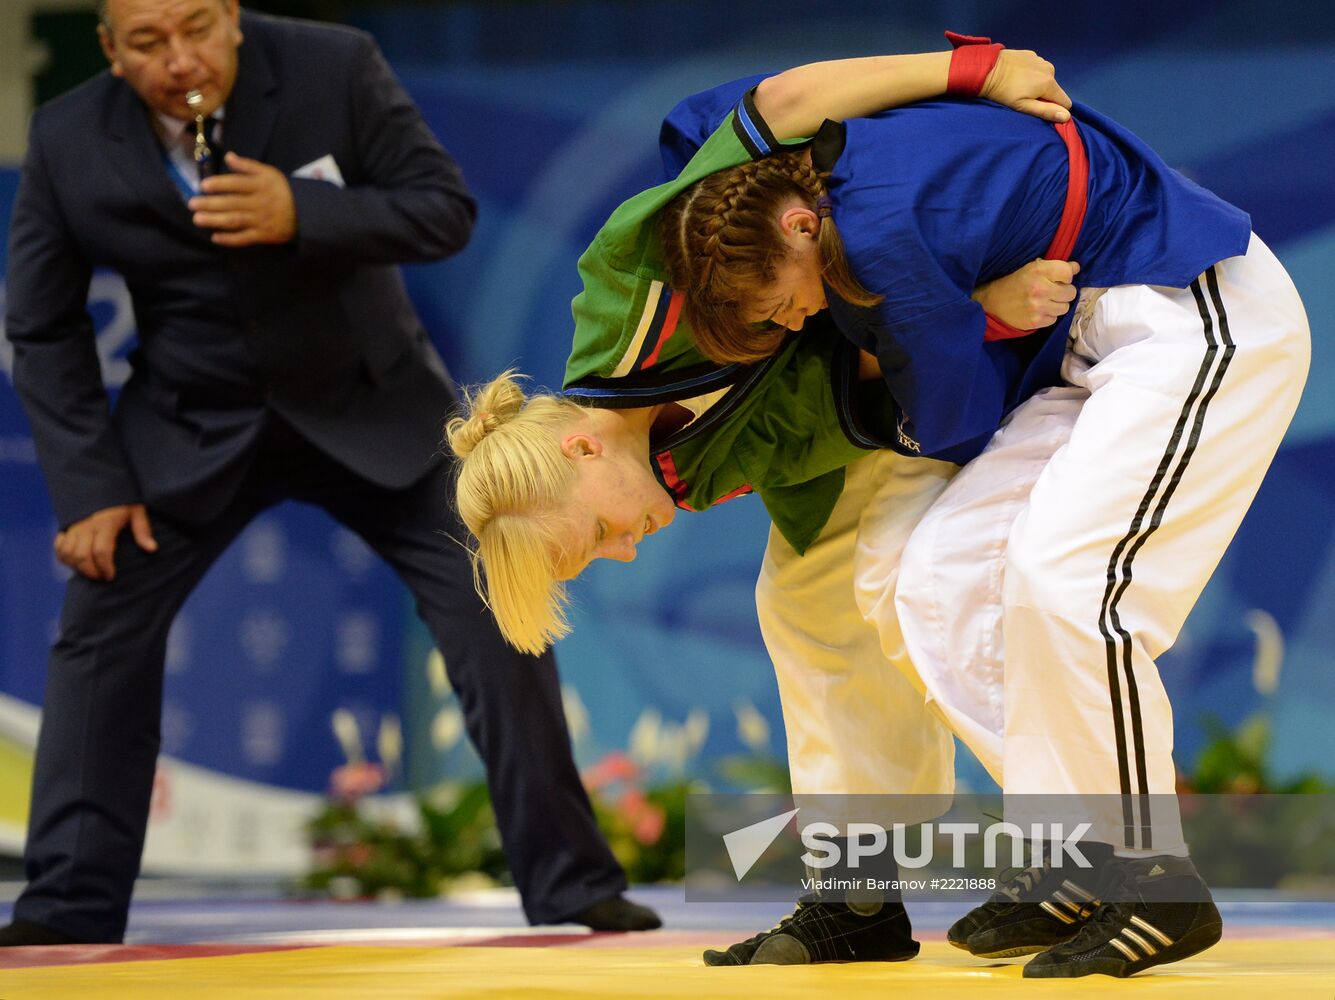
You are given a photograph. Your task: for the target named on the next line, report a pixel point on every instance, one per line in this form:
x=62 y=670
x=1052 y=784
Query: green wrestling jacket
x=784 y=428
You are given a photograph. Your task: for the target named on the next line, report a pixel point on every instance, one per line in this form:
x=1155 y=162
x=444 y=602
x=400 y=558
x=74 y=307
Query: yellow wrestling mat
x=1282 y=968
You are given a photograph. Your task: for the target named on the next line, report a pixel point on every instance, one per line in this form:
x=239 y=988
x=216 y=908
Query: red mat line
x=552 y=940
x=94 y=954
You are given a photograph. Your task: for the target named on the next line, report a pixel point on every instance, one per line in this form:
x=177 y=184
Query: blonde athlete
x=548 y=484
x=785 y=428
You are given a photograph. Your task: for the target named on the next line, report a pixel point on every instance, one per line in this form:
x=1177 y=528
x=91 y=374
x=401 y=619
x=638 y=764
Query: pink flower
x=353 y=781
x=616 y=766
x=646 y=820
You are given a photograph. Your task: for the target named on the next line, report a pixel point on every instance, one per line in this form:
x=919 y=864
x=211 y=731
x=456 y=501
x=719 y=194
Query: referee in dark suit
x=279 y=358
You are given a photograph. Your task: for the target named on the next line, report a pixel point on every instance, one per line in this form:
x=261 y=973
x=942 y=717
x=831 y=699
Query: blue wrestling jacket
x=933 y=199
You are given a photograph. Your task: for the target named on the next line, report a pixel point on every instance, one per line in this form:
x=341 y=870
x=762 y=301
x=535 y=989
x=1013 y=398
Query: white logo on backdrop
x=178 y=725
x=264 y=552
x=357 y=642
x=262 y=732
x=352 y=554
x=264 y=637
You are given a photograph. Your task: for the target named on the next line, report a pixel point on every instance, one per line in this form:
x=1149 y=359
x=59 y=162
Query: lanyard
x=182 y=182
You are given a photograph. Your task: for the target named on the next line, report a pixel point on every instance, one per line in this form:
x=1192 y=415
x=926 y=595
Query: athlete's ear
x=799 y=221
x=581 y=444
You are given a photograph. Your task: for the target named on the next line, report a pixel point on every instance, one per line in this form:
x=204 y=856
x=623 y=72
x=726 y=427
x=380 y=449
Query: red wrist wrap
x=972 y=60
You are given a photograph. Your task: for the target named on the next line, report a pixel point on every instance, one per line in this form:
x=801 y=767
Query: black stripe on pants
x=1117 y=641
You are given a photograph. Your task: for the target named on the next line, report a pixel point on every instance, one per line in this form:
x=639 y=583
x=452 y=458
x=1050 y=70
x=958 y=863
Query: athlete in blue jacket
x=1111 y=455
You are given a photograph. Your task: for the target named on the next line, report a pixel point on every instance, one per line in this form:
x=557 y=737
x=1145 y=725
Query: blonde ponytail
x=513 y=480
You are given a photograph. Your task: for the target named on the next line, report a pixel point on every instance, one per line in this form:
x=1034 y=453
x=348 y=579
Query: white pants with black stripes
x=1036 y=593
x=1022 y=603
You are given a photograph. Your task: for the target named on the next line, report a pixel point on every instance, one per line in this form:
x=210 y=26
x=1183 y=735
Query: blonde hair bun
x=486 y=410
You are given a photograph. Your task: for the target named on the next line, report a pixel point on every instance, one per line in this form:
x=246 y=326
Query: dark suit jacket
x=321 y=330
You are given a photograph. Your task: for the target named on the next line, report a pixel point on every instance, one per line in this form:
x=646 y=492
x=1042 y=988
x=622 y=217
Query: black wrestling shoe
x=1034 y=909
x=617 y=914
x=23 y=934
x=1159 y=911
x=827 y=932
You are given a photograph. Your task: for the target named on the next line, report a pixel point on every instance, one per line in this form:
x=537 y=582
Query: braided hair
x=722 y=245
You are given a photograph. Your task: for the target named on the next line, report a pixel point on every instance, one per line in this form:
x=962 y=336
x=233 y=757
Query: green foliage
x=756 y=773
x=1237 y=761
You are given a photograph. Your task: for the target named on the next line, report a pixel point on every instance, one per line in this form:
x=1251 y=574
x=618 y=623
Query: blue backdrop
x=552 y=110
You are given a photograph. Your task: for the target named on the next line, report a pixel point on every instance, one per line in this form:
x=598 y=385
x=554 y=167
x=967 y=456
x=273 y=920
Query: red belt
x=1073 y=217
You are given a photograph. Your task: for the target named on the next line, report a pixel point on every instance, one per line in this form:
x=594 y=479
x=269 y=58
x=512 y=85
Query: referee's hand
x=250 y=204
x=89 y=546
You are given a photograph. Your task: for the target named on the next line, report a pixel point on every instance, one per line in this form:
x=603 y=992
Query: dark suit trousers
x=99 y=739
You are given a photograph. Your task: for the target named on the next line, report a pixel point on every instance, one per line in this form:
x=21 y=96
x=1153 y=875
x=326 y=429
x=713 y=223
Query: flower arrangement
x=415 y=846
x=644 y=827
x=639 y=796
x=367 y=845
